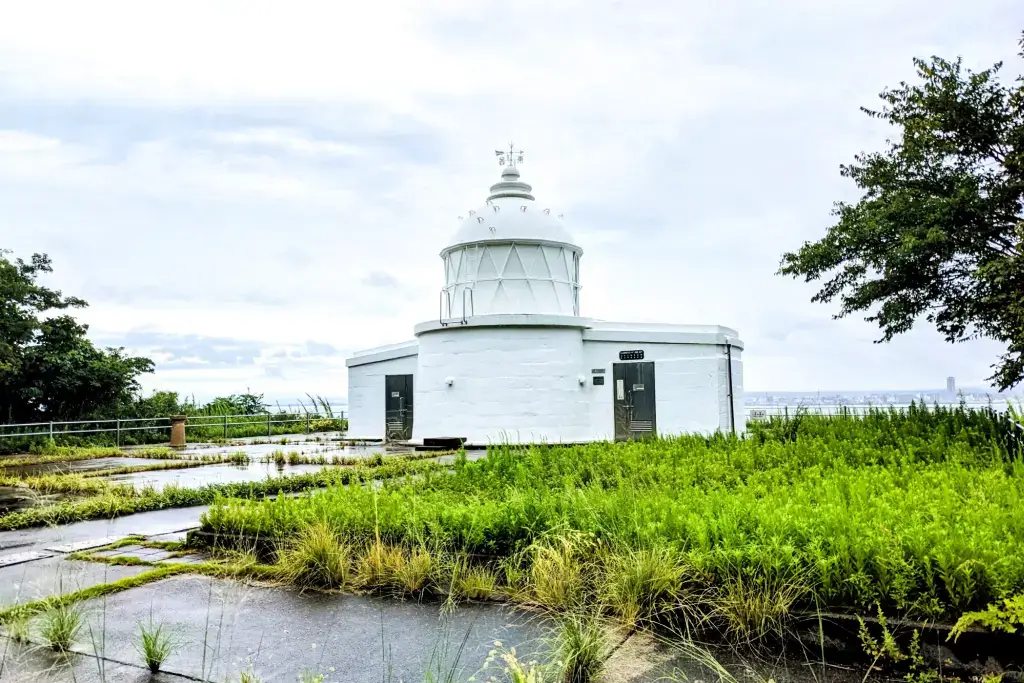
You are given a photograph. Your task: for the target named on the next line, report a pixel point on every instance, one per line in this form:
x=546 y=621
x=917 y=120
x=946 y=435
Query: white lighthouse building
x=509 y=358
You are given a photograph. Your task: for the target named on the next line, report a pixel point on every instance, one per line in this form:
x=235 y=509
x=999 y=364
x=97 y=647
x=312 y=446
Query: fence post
x=268 y=424
x=225 y=427
x=178 y=431
x=307 y=423
x=117 y=436
x=51 y=431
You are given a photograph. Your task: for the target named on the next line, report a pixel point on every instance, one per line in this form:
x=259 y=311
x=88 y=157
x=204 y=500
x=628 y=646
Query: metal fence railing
x=765 y=412
x=223 y=424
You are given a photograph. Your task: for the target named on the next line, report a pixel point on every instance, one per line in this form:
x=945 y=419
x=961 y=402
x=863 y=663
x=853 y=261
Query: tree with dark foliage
x=938 y=233
x=49 y=370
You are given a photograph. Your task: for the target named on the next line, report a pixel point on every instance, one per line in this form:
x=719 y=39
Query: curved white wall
x=519 y=384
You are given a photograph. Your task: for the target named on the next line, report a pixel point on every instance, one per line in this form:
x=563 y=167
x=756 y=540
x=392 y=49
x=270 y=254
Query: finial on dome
x=511 y=157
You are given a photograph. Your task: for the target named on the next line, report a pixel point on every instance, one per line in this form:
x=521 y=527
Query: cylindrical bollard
x=178 y=431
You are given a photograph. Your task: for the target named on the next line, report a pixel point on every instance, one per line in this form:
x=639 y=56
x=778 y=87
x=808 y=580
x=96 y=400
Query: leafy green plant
x=1007 y=615
x=815 y=512
x=155 y=644
x=60 y=625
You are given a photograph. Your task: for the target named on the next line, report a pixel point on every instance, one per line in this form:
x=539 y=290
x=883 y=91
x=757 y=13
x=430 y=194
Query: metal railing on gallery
x=221 y=423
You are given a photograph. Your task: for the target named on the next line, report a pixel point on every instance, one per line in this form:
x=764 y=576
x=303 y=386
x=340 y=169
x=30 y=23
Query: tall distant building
x=951 y=385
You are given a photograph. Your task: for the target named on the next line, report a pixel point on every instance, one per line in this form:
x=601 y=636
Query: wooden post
x=178 y=431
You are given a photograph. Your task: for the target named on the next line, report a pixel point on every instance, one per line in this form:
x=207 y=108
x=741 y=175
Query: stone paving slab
x=283 y=632
x=157 y=522
x=173 y=536
x=87 y=544
x=18 y=558
x=56 y=576
x=183 y=559
x=31 y=664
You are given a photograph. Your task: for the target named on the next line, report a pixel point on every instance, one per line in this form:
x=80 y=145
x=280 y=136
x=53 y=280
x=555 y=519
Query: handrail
x=465 y=318
x=192 y=421
x=444 y=297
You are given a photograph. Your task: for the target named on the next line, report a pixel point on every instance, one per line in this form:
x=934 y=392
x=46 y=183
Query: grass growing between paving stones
x=114 y=501
x=72 y=453
x=60 y=624
x=919 y=512
x=154 y=644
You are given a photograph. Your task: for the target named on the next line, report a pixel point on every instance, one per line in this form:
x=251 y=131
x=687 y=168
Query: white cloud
x=280 y=172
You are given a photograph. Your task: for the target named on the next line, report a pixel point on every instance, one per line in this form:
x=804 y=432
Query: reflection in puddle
x=80 y=466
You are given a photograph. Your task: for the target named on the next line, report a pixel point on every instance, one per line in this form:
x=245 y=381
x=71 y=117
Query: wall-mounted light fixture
x=449 y=381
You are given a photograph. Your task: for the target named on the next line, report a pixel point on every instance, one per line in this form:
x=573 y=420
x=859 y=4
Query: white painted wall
x=366 y=393
x=519 y=384
x=691 y=392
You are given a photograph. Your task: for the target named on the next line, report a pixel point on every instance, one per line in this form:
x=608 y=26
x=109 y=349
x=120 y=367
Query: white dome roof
x=511 y=215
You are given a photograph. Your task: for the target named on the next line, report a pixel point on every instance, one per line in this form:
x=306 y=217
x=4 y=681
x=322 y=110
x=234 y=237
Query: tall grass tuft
x=471 y=581
x=582 y=648
x=60 y=625
x=413 y=575
x=752 y=607
x=155 y=644
x=637 y=585
x=317 y=559
x=19 y=629
x=556 y=574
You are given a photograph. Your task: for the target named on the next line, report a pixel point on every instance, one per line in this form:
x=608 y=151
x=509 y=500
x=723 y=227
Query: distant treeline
x=50 y=371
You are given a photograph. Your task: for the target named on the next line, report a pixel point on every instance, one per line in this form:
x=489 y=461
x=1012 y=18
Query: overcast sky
x=247 y=191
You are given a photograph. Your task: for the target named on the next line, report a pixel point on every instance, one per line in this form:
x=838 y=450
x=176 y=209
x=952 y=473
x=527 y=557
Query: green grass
x=122 y=500
x=60 y=625
x=581 y=649
x=154 y=644
x=317 y=559
x=919 y=511
x=69 y=453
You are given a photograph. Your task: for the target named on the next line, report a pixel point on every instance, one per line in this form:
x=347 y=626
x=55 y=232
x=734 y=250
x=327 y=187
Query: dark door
x=398 y=407
x=633 y=398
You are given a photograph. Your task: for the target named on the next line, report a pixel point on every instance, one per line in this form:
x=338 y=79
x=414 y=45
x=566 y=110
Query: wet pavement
x=226 y=473
x=330 y=442
x=143 y=523
x=92 y=465
x=14 y=498
x=55 y=575
x=226 y=626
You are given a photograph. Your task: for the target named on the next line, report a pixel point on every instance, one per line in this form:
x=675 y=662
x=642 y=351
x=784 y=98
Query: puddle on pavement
x=257 y=451
x=80 y=466
x=211 y=474
x=14 y=498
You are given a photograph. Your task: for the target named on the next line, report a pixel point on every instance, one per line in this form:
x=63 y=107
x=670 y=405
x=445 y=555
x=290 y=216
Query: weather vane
x=511 y=157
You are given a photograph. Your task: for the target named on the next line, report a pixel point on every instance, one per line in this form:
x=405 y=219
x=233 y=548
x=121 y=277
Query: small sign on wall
x=758 y=414
x=620 y=390
x=637 y=354
x=599 y=380
x=395 y=394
